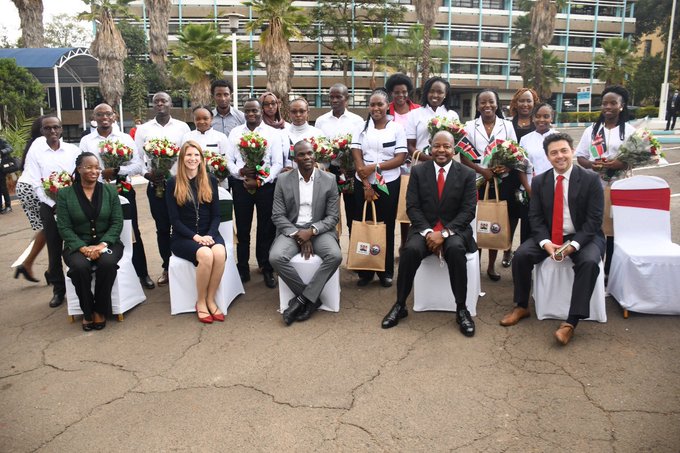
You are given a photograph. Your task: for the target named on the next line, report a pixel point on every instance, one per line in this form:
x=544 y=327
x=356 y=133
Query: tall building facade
x=474 y=35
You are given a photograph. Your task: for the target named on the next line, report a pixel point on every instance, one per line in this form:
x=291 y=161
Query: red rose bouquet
x=323 y=149
x=505 y=153
x=444 y=123
x=253 y=148
x=114 y=154
x=162 y=153
x=343 y=159
x=216 y=164
x=55 y=182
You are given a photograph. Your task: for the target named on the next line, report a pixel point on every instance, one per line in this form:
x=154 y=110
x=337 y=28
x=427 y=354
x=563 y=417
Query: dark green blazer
x=74 y=226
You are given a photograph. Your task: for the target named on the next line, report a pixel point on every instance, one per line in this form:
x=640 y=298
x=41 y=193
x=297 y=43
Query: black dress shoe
x=245 y=276
x=308 y=311
x=147 y=282
x=269 y=279
x=56 y=301
x=396 y=313
x=467 y=325
x=295 y=306
x=386 y=282
x=364 y=281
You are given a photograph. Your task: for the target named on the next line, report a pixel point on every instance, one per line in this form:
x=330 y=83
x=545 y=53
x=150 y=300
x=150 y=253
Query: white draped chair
x=645 y=271
x=552 y=284
x=432 y=288
x=330 y=296
x=127 y=291
x=182 y=273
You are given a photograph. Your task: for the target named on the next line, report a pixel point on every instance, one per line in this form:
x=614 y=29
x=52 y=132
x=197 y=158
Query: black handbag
x=9 y=164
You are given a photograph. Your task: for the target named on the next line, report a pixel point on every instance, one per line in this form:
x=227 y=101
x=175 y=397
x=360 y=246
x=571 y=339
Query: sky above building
x=10 y=25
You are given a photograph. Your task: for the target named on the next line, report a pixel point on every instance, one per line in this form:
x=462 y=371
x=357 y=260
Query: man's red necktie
x=441 y=180
x=558 y=213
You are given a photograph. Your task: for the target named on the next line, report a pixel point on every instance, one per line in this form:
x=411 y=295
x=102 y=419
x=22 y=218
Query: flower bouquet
x=506 y=153
x=216 y=164
x=341 y=145
x=114 y=154
x=443 y=123
x=640 y=149
x=253 y=147
x=162 y=153
x=54 y=182
x=323 y=149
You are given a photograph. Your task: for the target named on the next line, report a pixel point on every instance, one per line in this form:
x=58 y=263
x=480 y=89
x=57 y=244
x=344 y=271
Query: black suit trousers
x=138 y=254
x=159 y=212
x=586 y=269
x=244 y=203
x=55 y=271
x=413 y=254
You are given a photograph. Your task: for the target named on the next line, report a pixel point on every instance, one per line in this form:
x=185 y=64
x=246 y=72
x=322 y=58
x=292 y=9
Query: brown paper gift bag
x=367 y=244
x=607 y=221
x=402 y=217
x=493 y=223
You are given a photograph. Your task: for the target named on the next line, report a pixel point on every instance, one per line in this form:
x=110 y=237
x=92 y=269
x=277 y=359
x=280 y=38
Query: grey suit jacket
x=325 y=207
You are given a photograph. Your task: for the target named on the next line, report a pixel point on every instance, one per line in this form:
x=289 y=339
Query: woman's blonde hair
x=182 y=189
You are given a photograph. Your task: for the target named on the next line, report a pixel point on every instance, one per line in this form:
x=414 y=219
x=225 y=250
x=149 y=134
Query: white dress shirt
x=210 y=140
x=612 y=140
x=533 y=145
x=446 y=168
x=380 y=145
x=568 y=224
x=306 y=198
x=174 y=130
x=333 y=126
x=134 y=166
x=502 y=130
x=273 y=157
x=416 y=127
x=41 y=160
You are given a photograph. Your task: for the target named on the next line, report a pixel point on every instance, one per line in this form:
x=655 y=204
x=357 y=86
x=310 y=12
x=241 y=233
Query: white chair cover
x=645 y=271
x=432 y=289
x=182 y=273
x=552 y=286
x=330 y=296
x=127 y=291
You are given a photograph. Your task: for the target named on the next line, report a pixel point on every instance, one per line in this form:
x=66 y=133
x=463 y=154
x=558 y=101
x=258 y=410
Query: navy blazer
x=457 y=207
x=586 y=206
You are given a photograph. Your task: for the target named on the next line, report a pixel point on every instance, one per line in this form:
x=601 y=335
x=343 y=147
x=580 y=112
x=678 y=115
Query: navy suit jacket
x=586 y=205
x=457 y=207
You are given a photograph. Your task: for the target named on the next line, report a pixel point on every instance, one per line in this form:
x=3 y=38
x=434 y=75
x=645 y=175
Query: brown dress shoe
x=564 y=333
x=515 y=316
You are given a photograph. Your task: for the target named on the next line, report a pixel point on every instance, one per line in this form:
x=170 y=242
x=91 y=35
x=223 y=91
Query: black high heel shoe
x=47 y=278
x=21 y=270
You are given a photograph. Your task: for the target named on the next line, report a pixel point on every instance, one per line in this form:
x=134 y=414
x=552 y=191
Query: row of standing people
x=370 y=136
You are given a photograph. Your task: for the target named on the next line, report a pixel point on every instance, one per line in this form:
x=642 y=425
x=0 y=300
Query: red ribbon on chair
x=643 y=198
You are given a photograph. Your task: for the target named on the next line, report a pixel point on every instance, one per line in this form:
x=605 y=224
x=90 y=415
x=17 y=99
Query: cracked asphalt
x=338 y=382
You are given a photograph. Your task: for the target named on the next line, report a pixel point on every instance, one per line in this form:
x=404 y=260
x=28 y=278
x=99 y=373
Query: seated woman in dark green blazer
x=90 y=219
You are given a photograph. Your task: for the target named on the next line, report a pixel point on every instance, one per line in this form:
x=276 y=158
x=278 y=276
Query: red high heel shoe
x=217 y=316
x=206 y=319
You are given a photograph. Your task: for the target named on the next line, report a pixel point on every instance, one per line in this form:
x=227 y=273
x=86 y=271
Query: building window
x=578 y=73
x=490 y=4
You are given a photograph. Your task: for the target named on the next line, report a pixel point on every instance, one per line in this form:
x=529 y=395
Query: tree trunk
x=199 y=93
x=275 y=53
x=426 y=11
x=426 y=53
x=31 y=16
x=109 y=47
x=159 y=18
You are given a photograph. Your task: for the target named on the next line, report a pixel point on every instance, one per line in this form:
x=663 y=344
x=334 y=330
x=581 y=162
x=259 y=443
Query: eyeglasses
x=91 y=168
x=104 y=114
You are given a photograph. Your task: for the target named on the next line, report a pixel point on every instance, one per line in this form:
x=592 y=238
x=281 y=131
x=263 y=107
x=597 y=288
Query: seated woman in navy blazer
x=193 y=209
x=90 y=219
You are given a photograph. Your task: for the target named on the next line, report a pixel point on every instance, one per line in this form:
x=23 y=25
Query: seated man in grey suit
x=305 y=214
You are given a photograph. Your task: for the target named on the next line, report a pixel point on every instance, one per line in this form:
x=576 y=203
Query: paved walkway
x=338 y=382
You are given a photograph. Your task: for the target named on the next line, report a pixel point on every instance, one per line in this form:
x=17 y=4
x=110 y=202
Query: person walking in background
x=90 y=220
x=6 y=151
x=672 y=110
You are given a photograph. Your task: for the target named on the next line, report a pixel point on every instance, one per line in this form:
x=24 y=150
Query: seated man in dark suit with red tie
x=440 y=201
x=566 y=208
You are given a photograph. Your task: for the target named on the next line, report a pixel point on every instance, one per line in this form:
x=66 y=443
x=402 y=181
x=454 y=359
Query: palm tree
x=159 y=19
x=108 y=46
x=375 y=51
x=201 y=52
x=426 y=12
x=410 y=55
x=31 y=16
x=617 y=63
x=280 y=21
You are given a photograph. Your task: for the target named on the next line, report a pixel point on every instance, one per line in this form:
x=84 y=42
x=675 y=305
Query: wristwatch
x=445 y=233
x=315 y=230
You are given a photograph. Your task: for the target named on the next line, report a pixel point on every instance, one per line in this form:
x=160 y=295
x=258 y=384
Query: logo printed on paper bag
x=483 y=226
x=375 y=250
x=363 y=248
x=495 y=228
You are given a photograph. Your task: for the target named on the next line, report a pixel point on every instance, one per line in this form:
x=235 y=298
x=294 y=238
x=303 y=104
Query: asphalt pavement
x=338 y=382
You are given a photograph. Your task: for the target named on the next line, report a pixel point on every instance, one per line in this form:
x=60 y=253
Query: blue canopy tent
x=59 y=67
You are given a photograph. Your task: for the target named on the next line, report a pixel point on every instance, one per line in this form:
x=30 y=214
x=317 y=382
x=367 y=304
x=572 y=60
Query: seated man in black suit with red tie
x=566 y=208
x=440 y=201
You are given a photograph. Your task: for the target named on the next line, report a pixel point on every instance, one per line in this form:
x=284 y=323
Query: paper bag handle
x=486 y=190
x=416 y=157
x=375 y=216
